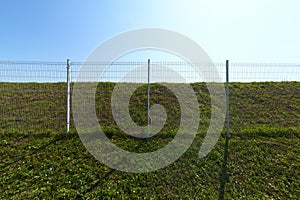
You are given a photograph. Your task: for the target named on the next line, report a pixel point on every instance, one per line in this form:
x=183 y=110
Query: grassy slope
x=263 y=160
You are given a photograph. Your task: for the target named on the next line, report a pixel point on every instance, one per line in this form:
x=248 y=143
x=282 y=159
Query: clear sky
x=238 y=30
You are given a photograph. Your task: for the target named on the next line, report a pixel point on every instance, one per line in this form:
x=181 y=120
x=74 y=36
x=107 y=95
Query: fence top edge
x=166 y=62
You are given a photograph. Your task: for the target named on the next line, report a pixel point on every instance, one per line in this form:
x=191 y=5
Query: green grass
x=262 y=161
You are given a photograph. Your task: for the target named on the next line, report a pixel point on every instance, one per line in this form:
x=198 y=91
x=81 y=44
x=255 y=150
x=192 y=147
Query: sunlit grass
x=39 y=161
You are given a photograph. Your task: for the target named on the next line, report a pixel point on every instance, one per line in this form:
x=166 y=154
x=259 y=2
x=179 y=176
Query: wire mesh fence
x=264 y=96
x=34 y=94
x=140 y=86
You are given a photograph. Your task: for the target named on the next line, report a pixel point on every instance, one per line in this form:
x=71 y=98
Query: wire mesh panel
x=130 y=96
x=264 y=97
x=33 y=96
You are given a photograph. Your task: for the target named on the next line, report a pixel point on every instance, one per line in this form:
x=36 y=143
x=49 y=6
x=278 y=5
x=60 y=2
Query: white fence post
x=148 y=100
x=68 y=96
x=227 y=99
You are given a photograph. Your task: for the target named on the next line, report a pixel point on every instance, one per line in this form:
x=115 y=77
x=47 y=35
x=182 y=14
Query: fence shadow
x=21 y=158
x=224 y=177
x=98 y=183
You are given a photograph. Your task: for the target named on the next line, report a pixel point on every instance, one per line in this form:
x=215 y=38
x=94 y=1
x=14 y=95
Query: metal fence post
x=68 y=96
x=227 y=99
x=148 y=100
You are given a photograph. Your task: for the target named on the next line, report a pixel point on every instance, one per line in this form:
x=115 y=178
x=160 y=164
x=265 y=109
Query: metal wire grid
x=268 y=96
x=24 y=86
x=32 y=96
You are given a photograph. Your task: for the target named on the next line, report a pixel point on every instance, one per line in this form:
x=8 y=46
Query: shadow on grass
x=224 y=178
x=21 y=158
x=97 y=184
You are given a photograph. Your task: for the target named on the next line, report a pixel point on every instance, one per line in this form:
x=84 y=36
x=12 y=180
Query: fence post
x=148 y=100
x=68 y=96
x=227 y=99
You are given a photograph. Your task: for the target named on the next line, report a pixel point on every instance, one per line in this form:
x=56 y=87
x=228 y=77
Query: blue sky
x=238 y=30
